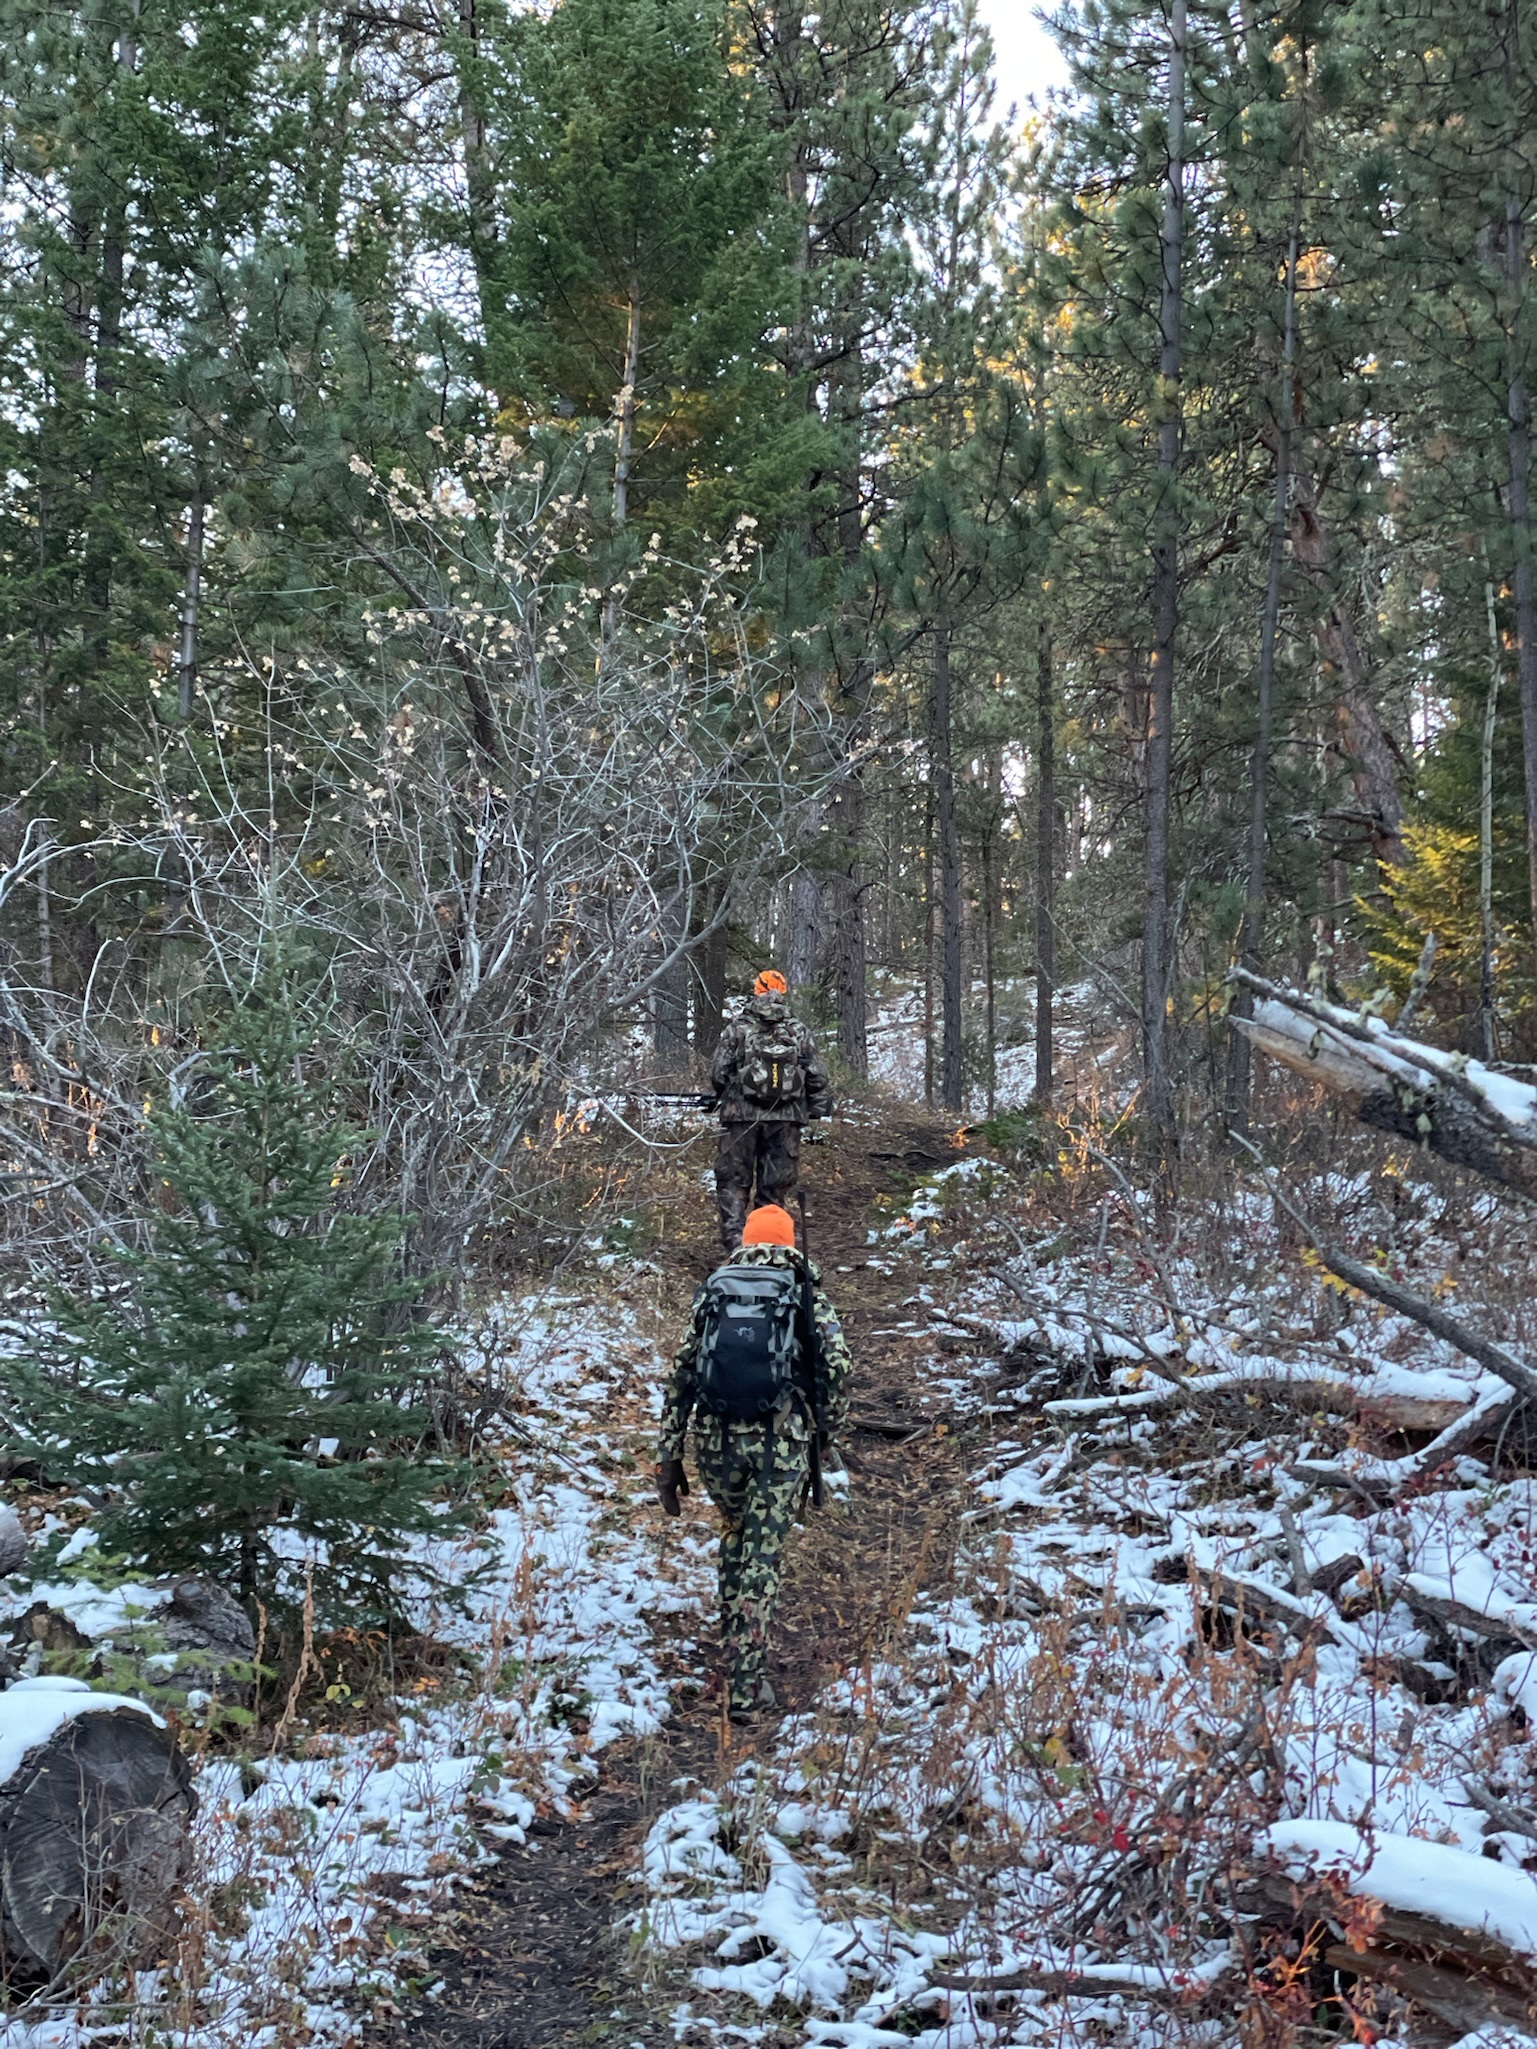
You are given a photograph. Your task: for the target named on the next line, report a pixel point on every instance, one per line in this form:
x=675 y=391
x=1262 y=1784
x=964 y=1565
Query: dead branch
x=1454 y=1614
x=1468 y=1950
x=1516 y=1821
x=1125 y=1980
x=1369 y=1280
x=1248 y=1596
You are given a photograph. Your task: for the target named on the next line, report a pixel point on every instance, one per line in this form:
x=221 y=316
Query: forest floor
x=537 y=1953
x=1160 y=1673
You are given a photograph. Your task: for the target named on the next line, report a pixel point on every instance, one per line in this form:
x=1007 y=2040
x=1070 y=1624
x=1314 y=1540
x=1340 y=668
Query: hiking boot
x=764 y=1702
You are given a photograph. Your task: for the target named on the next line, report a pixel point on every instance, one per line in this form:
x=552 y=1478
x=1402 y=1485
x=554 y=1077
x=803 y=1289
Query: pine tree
x=640 y=264
x=1441 y=237
x=255 y=1391
x=957 y=533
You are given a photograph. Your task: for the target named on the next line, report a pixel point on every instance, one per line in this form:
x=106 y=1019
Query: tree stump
x=95 y=1809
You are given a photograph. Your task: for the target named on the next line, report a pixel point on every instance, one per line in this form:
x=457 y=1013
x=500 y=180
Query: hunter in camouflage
x=758 y=1474
x=769 y=1081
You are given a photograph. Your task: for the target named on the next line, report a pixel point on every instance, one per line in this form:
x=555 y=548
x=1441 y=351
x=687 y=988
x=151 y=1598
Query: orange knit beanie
x=769 y=1225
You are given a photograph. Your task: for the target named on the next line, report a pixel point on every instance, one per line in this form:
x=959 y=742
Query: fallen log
x=1465 y=2002
x=1458 y=1108
x=1499 y=1626
x=1273 y=1381
x=96 y=1804
x=1328 y=1579
x=1247 y=1596
x=1456 y=1907
x=1409 y=1412
x=1383 y=1479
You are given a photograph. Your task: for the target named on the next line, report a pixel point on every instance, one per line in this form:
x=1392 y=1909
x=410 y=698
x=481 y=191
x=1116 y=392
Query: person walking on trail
x=769 y=1081
x=763 y=1373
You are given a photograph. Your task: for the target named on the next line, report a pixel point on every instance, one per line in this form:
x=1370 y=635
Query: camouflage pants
x=767 y=1153
x=758 y=1511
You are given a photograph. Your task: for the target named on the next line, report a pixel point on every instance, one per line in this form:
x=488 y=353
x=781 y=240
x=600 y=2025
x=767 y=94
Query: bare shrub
x=488 y=837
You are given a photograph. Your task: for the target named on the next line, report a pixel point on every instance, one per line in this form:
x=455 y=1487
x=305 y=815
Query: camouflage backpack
x=773 y=1070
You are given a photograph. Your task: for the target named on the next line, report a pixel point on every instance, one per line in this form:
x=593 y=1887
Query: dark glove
x=671 y=1481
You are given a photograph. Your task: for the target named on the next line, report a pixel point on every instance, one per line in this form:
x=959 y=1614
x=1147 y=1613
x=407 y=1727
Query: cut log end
x=94 y=1844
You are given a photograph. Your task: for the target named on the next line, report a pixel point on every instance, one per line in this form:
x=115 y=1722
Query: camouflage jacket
x=726 y=1070
x=790 y=1421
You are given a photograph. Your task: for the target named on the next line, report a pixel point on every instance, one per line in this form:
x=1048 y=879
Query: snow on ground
x=1071 y=1756
x=1076 y=1744
x=1087 y=1034
x=323 y=1863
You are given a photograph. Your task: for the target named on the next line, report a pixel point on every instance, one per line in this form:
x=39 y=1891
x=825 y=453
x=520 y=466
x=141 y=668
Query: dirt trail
x=534 y=1959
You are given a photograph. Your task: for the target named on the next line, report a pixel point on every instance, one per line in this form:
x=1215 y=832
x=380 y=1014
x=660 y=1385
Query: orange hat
x=771 y=983
x=769 y=1225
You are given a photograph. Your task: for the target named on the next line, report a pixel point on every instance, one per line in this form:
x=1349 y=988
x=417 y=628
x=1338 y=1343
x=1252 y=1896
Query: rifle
x=810 y=1348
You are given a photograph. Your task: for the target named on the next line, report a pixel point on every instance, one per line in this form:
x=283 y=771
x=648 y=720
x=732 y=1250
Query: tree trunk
x=848 y=807
x=327 y=150
x=1240 y=1064
x=44 y=927
x=624 y=410
x=990 y=913
x=929 y=926
x=1519 y=512
x=1486 y=837
x=805 y=929
x=192 y=589
x=480 y=191
x=848 y=938
x=186 y=684
x=99 y=341
x=1360 y=736
x=1045 y=863
x=669 y=1001
x=1156 y=935
x=951 y=1075
x=709 y=990
x=624 y=417
x=784 y=49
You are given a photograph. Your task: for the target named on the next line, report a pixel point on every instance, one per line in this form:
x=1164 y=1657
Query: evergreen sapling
x=254 y=1397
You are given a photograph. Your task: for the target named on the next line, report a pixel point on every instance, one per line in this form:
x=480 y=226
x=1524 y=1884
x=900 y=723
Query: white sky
x=1028 y=60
